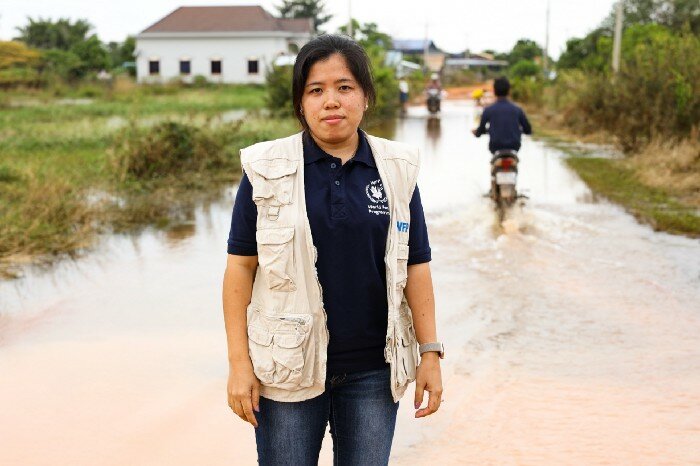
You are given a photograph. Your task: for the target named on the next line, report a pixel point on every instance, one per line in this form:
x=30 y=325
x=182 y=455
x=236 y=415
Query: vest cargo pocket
x=272 y=181
x=407 y=355
x=289 y=359
x=276 y=345
x=260 y=350
x=276 y=257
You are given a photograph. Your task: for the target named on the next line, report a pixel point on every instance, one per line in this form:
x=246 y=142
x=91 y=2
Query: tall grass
x=42 y=217
x=169 y=148
x=655 y=95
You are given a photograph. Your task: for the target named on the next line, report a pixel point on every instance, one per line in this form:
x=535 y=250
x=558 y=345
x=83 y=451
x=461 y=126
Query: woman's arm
x=419 y=294
x=243 y=386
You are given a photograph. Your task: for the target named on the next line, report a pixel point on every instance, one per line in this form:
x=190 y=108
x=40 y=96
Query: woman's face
x=333 y=102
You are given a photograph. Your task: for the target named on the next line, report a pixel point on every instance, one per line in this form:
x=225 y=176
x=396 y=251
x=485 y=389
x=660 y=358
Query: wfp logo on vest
x=402 y=227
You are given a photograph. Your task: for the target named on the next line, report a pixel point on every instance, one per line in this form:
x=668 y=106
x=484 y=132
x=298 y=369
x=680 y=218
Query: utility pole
x=617 y=44
x=545 y=55
x=426 y=45
x=350 y=32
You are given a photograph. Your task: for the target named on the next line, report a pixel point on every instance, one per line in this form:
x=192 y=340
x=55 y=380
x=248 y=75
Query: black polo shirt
x=349 y=218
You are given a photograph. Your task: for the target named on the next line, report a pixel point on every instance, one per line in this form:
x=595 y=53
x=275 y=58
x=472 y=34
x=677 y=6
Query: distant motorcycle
x=433 y=100
x=504 y=176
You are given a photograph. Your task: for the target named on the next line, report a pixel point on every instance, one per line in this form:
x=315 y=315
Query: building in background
x=420 y=50
x=224 y=44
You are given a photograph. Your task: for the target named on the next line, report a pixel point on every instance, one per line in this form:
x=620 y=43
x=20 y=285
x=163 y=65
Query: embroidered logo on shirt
x=402 y=227
x=375 y=192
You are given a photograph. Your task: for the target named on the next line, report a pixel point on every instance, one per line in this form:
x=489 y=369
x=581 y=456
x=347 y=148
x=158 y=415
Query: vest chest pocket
x=272 y=181
x=276 y=257
x=276 y=346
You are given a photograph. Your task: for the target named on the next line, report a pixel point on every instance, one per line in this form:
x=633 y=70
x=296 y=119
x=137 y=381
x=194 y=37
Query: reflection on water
x=571 y=331
x=432 y=131
x=177 y=233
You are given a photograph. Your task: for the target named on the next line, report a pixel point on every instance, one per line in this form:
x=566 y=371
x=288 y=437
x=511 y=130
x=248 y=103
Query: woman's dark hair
x=501 y=86
x=321 y=48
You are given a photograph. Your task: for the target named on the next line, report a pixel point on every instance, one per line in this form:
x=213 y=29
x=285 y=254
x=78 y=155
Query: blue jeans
x=362 y=416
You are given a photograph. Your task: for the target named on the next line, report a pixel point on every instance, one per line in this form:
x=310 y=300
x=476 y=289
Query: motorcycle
x=433 y=100
x=504 y=175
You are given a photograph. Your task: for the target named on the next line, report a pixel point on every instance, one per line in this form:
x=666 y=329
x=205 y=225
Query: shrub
x=653 y=95
x=387 y=88
x=525 y=69
x=167 y=149
x=527 y=90
x=279 y=90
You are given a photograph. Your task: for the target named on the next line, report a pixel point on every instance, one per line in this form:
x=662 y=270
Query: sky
x=454 y=25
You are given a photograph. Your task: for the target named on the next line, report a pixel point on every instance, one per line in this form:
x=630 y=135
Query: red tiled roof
x=227 y=19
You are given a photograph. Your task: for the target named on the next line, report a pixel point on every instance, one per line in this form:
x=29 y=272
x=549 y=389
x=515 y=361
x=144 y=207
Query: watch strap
x=428 y=347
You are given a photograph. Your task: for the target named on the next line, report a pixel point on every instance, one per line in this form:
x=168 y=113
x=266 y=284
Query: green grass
x=55 y=157
x=612 y=179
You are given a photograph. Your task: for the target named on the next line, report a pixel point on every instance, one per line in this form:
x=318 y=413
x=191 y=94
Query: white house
x=228 y=44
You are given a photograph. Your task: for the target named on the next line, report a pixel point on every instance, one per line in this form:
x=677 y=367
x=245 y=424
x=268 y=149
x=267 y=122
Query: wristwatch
x=439 y=348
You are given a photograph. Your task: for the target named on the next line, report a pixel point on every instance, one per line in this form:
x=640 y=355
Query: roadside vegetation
x=649 y=110
x=69 y=171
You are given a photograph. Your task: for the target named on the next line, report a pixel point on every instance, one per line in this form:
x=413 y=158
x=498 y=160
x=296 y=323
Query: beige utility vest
x=287 y=332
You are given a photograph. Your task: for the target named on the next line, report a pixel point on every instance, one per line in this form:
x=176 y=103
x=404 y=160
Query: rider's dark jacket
x=506 y=122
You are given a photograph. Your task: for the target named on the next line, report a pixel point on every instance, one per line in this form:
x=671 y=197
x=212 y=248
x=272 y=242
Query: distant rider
x=506 y=121
x=435 y=82
x=434 y=89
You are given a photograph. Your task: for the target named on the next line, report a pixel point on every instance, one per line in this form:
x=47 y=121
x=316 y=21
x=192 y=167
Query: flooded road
x=571 y=333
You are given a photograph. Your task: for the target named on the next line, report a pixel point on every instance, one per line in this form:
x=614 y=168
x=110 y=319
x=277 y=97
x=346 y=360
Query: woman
x=327 y=283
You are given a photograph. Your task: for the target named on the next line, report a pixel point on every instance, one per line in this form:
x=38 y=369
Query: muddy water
x=571 y=333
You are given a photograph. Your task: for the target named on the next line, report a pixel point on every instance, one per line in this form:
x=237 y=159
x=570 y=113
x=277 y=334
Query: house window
x=153 y=67
x=253 y=66
x=185 y=67
x=216 y=67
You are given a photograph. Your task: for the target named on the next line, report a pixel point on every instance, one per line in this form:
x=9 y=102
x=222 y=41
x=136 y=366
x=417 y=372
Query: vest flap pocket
x=406 y=356
x=289 y=340
x=259 y=335
x=276 y=257
x=274 y=235
x=274 y=169
x=406 y=336
x=403 y=252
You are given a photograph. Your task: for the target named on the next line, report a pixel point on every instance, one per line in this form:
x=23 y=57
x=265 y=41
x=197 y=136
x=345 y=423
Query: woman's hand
x=428 y=378
x=244 y=391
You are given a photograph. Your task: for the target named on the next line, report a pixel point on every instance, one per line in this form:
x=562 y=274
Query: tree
x=674 y=14
x=368 y=35
x=46 y=34
x=524 y=49
x=13 y=54
x=305 y=9
x=92 y=54
x=121 y=53
x=585 y=53
x=66 y=65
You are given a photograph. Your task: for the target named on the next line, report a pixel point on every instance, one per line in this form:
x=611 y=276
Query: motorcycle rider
x=434 y=89
x=506 y=121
